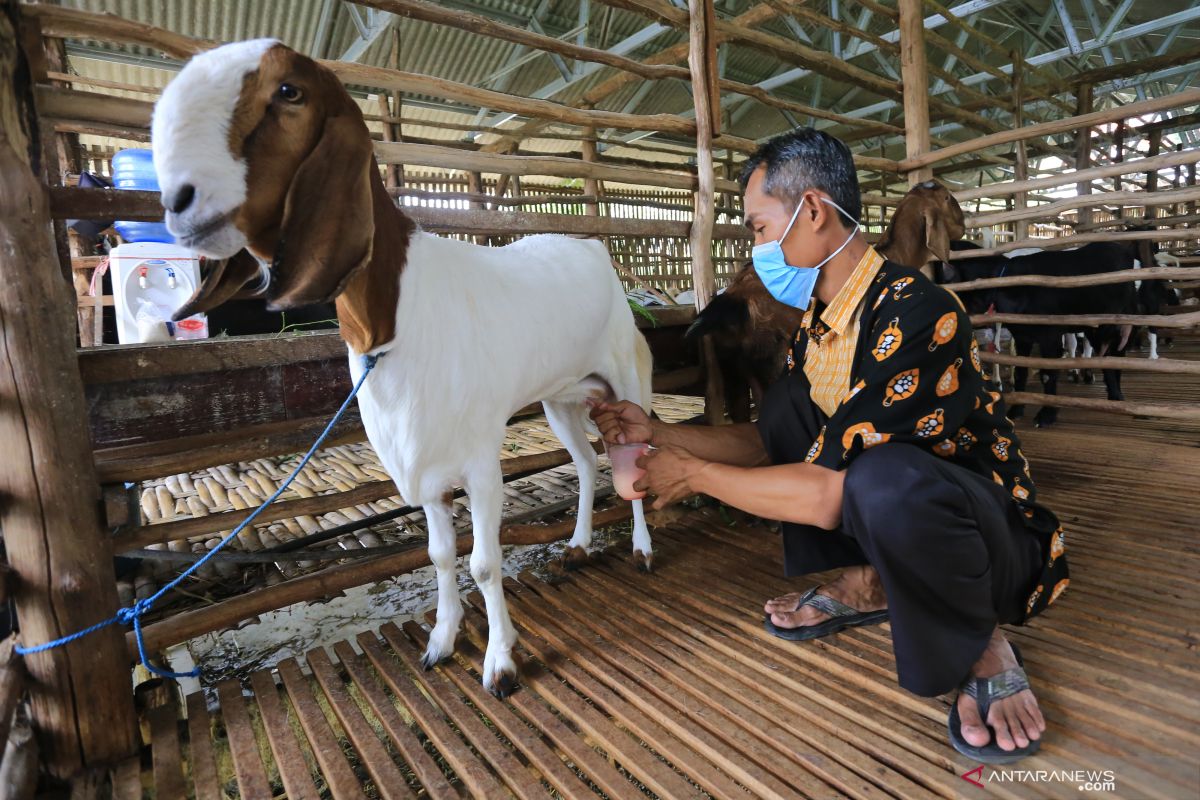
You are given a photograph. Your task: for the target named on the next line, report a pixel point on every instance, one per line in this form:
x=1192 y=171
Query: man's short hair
x=804 y=159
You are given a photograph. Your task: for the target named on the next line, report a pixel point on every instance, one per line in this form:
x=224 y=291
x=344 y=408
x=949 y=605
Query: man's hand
x=669 y=475
x=622 y=423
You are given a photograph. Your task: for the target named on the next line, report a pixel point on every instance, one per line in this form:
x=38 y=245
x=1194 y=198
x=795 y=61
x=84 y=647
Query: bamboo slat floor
x=242 y=486
x=666 y=684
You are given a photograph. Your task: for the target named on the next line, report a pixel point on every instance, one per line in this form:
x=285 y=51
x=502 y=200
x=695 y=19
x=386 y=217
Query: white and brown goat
x=261 y=148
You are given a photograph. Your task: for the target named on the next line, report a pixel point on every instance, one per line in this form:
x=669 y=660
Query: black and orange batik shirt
x=916 y=378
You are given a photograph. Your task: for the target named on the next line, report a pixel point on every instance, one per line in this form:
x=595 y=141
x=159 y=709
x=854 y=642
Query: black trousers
x=950 y=546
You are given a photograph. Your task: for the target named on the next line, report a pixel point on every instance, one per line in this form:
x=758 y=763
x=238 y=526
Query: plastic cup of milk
x=625 y=470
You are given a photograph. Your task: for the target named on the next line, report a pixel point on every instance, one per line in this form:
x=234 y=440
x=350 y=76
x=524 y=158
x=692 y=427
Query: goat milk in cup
x=625 y=470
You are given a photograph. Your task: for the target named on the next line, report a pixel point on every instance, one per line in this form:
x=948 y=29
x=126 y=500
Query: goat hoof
x=644 y=561
x=503 y=684
x=1045 y=420
x=575 y=558
x=1089 y=378
x=1016 y=412
x=429 y=661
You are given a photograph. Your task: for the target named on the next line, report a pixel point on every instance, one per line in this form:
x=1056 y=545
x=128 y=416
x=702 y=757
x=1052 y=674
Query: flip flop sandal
x=841 y=615
x=987 y=691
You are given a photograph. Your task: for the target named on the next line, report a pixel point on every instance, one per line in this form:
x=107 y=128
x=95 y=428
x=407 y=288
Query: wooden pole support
x=82 y=707
x=1021 y=171
x=701 y=59
x=914 y=76
x=1083 y=148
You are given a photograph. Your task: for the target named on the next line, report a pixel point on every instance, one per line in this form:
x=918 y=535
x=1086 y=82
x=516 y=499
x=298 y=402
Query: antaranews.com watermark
x=1086 y=780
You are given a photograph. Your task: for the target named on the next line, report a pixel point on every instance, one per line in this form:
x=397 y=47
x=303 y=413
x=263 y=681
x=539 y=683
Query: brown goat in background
x=752 y=331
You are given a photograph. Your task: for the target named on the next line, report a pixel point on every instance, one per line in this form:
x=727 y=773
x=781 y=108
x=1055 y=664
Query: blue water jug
x=134 y=169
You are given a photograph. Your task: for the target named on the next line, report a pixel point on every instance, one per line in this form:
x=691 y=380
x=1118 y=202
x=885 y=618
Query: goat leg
x=1020 y=374
x=566 y=420
x=442 y=552
x=1051 y=347
x=485 y=485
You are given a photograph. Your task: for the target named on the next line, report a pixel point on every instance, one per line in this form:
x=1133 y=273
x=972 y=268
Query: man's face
x=767 y=218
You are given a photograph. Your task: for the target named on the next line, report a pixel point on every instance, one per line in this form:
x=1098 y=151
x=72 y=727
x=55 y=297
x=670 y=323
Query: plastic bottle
x=134 y=169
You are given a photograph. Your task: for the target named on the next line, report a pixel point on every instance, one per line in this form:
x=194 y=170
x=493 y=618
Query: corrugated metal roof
x=469 y=58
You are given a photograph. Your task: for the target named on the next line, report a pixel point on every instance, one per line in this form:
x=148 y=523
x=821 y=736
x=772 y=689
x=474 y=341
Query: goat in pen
x=261 y=148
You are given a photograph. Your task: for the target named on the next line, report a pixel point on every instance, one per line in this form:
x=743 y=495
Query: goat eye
x=290 y=93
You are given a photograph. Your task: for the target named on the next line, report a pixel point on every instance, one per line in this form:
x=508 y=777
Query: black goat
x=1091 y=259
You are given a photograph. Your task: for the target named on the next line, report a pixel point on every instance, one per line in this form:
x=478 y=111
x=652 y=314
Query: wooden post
x=81 y=702
x=1083 y=148
x=591 y=186
x=1150 y=213
x=1021 y=229
x=391 y=131
x=1191 y=181
x=397 y=102
x=702 y=56
x=391 y=171
x=914 y=77
x=62 y=150
x=475 y=186
x=1119 y=143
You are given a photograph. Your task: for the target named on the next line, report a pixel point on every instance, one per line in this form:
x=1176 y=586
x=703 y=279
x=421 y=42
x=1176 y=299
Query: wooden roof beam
x=787 y=50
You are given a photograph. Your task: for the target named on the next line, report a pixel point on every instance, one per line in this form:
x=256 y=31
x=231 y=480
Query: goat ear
x=224 y=282
x=722 y=314
x=328 y=226
x=937 y=237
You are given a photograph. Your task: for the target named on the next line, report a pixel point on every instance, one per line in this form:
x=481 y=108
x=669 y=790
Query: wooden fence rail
x=1055 y=282
x=1078 y=239
x=1134 y=166
x=1179 y=411
x=1164 y=103
x=74 y=203
x=1052 y=210
x=1163 y=365
x=1090 y=320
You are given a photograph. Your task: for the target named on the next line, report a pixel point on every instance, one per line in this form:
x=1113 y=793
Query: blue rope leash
x=133 y=614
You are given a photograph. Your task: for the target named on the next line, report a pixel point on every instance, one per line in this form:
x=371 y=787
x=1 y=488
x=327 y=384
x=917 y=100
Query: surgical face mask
x=790 y=285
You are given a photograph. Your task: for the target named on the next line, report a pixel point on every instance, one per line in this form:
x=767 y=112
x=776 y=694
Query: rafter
x=320 y=42
x=1052 y=57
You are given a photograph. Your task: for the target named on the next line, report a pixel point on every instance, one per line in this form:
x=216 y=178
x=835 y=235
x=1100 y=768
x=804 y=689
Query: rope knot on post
x=127 y=616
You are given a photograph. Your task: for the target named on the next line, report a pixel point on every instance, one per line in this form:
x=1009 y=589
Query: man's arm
x=801 y=493
x=737 y=445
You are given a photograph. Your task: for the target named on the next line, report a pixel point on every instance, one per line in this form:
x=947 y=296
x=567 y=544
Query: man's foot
x=857 y=587
x=1016 y=719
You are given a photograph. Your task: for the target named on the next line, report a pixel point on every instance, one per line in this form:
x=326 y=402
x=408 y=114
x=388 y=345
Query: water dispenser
x=151 y=280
